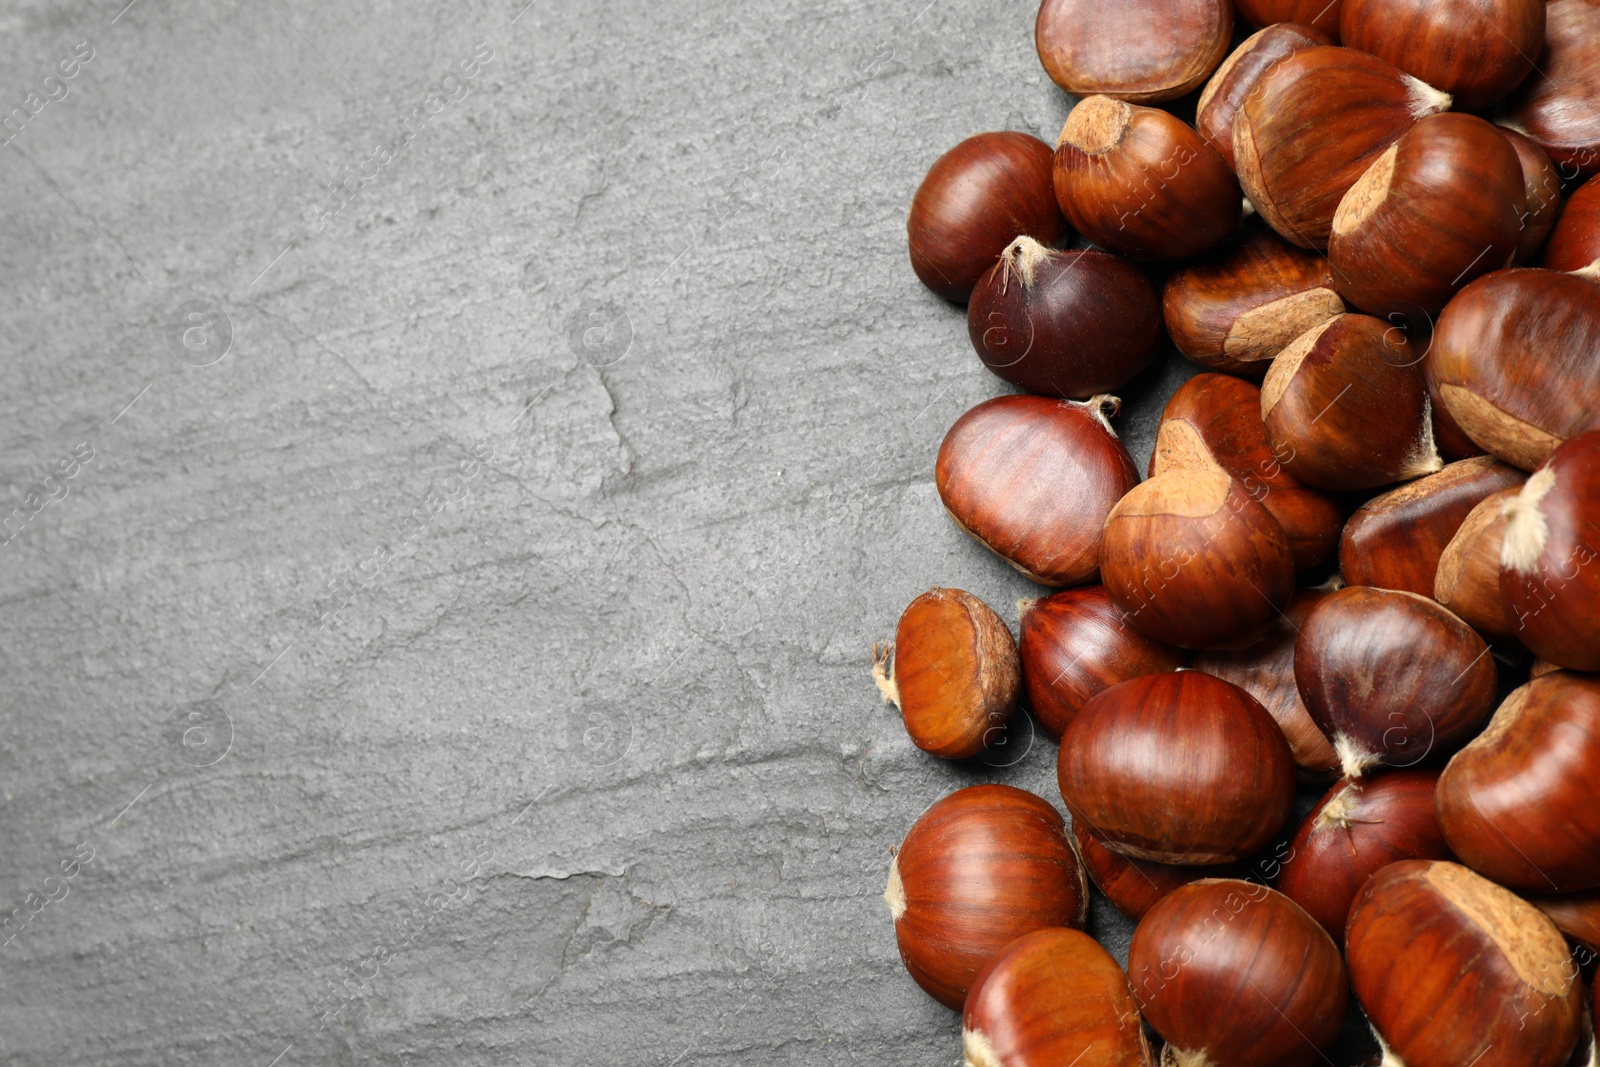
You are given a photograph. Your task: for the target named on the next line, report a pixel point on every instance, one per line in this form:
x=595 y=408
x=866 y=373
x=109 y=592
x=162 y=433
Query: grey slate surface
x=470 y=665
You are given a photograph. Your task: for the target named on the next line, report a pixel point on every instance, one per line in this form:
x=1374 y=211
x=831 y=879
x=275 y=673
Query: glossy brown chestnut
x=1312 y=126
x=1140 y=50
x=1133 y=886
x=1360 y=827
x=1575 y=914
x=1195 y=561
x=1244 y=303
x=1560 y=106
x=1238 y=975
x=1550 y=557
x=1177 y=768
x=1033 y=479
x=1395 y=541
x=1142 y=182
x=1346 y=406
x=1575 y=243
x=976 y=199
x=1392 y=678
x=1475 y=50
x=1075 y=645
x=952 y=671
x=1052 y=997
x=1451 y=969
x=1516 y=358
x=1225 y=92
x=1265 y=670
x=1066 y=324
x=1439 y=207
x=1468 y=578
x=1320 y=14
x=979 y=869
x=1451 y=439
x=1541 y=186
x=1519 y=803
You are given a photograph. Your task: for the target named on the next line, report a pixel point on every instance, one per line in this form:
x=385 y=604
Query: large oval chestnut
x=976 y=199
x=1233 y=81
x=1132 y=885
x=1238 y=975
x=1068 y=324
x=1320 y=14
x=1541 y=186
x=979 y=869
x=1575 y=241
x=1140 y=50
x=1475 y=50
x=1467 y=580
x=1559 y=107
x=1451 y=969
x=1177 y=768
x=1033 y=479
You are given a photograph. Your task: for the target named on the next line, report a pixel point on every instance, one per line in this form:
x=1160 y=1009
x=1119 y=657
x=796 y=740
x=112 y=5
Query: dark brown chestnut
x=1575 y=242
x=979 y=869
x=1549 y=577
x=1141 y=181
x=1075 y=645
x=1177 y=768
x=1475 y=50
x=1225 y=92
x=976 y=199
x=1575 y=914
x=1468 y=578
x=1320 y=14
x=1392 y=678
x=1560 y=107
x=1140 y=50
x=1541 y=186
x=1067 y=324
x=1133 y=886
x=1033 y=479
x=1451 y=439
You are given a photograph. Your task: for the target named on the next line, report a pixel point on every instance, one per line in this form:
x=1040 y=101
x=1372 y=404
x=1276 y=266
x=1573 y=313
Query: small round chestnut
x=1067 y=324
x=1146 y=51
x=953 y=672
x=1233 y=81
x=1541 y=186
x=1235 y=974
x=1575 y=242
x=1559 y=107
x=976 y=199
x=1177 y=768
x=979 y=869
x=1475 y=50
x=1468 y=577
x=1322 y=15
x=1133 y=886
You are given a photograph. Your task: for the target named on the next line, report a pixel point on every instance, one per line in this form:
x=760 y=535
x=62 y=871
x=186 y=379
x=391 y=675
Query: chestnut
x=1053 y=997
x=1140 y=50
x=1392 y=678
x=1468 y=578
x=1075 y=645
x=1142 y=182
x=1516 y=359
x=1518 y=803
x=1241 y=305
x=979 y=869
x=1451 y=969
x=1033 y=479
x=1322 y=15
x=1265 y=670
x=1575 y=914
x=1346 y=407
x=1361 y=826
x=1560 y=107
x=1395 y=541
x=1452 y=441
x=1238 y=975
x=1575 y=242
x=1311 y=127
x=1067 y=324
x=1220 y=100
x=1177 y=768
x=1133 y=886
x=1549 y=580
x=1475 y=50
x=1541 y=186
x=1440 y=207
x=1195 y=561
x=952 y=671
x=976 y=199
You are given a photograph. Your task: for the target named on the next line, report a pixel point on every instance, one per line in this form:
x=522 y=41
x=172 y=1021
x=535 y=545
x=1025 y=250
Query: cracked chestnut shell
x=1233 y=81
x=1560 y=107
x=1133 y=886
x=1145 y=51
x=1475 y=50
x=1468 y=577
x=1575 y=241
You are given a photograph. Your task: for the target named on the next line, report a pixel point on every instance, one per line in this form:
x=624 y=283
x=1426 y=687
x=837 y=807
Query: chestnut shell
x=1560 y=107
x=1145 y=51
x=1228 y=87
x=1475 y=50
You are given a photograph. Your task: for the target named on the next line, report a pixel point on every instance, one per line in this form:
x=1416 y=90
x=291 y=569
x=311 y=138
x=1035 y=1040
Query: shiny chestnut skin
x=1451 y=439
x=1516 y=359
x=1468 y=577
x=1225 y=92
x=1177 y=768
x=1395 y=541
x=1142 y=182
x=1236 y=974
x=1067 y=324
x=1451 y=969
x=953 y=672
x=1361 y=826
x=1145 y=51
x=976 y=199
x=1322 y=15
x=979 y=869
x=1575 y=241
x=1550 y=557
x=1575 y=914
x=1133 y=886
x=1049 y=997
x=1311 y=127
x=1001 y=473
x=1392 y=678
x=1560 y=106
x=1541 y=186
x=1346 y=406
x=1238 y=307
x=1475 y=50
x=1518 y=803
x=1439 y=207
x=1075 y=645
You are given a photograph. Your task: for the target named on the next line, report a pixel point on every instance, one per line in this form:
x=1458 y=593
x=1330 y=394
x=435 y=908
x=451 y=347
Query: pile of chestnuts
x=1363 y=562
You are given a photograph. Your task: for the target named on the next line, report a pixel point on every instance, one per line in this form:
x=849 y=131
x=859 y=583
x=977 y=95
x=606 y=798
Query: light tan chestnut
x=1467 y=580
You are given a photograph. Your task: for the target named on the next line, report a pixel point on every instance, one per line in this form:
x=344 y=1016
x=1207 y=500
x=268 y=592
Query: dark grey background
x=582 y=763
